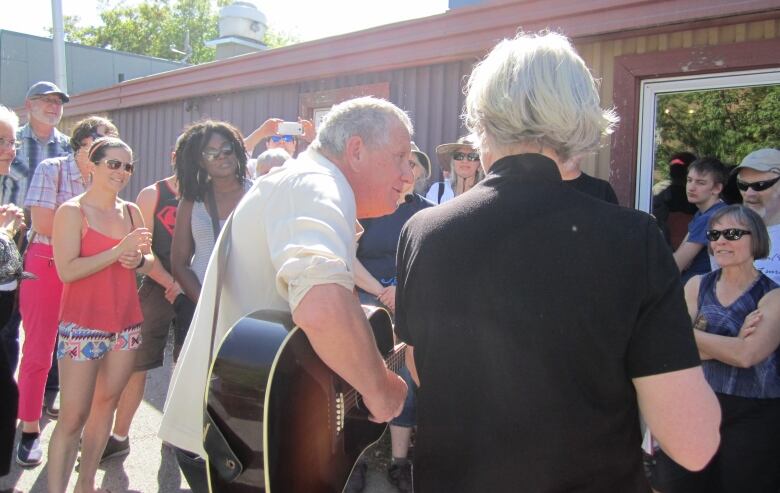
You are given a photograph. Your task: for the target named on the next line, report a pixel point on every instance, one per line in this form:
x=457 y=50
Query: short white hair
x=9 y=117
x=368 y=117
x=536 y=89
x=275 y=157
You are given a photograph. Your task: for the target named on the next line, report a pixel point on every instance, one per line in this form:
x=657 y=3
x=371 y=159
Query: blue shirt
x=697 y=229
x=379 y=242
x=762 y=380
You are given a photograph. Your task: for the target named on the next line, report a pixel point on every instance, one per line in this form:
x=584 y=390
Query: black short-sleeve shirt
x=531 y=307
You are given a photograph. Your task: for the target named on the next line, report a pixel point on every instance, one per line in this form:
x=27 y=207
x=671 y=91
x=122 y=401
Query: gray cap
x=43 y=88
x=761 y=160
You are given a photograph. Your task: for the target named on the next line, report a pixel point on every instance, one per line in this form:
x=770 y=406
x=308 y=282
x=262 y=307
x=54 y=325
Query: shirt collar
x=27 y=132
x=73 y=170
x=531 y=167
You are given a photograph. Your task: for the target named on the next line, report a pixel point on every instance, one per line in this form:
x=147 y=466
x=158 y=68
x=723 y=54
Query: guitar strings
x=394 y=362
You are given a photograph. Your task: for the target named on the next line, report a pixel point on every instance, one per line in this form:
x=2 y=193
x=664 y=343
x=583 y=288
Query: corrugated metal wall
x=431 y=94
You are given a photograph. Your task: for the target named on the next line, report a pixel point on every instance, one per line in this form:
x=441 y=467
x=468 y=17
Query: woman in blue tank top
x=736 y=314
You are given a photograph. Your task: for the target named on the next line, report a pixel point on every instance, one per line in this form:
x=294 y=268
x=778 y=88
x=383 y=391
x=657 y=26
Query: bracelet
x=141 y=263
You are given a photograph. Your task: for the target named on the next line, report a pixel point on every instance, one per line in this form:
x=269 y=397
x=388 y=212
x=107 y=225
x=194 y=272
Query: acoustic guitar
x=277 y=418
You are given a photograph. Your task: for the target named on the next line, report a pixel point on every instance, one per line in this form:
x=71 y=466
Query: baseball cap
x=761 y=160
x=43 y=88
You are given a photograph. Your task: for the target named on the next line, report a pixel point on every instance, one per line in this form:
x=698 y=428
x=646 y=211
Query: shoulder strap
x=211 y=206
x=441 y=192
x=222 y=253
x=130 y=215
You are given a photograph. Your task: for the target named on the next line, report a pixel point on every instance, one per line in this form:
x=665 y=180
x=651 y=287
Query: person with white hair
x=11 y=218
x=305 y=215
x=535 y=363
x=272 y=158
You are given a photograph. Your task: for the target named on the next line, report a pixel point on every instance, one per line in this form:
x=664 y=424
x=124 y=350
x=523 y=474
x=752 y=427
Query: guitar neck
x=397 y=357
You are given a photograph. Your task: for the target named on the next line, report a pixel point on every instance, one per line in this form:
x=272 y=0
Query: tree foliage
x=153 y=27
x=725 y=123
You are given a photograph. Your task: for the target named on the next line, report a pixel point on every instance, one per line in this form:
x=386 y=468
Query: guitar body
x=281 y=411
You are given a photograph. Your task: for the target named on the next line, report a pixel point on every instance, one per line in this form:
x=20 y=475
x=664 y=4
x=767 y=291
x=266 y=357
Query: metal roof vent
x=241 y=30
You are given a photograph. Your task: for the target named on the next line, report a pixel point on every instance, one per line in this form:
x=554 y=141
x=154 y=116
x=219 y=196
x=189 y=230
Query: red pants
x=39 y=304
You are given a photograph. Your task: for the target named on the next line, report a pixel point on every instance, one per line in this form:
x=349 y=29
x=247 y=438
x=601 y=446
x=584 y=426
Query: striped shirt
x=55 y=181
x=14 y=186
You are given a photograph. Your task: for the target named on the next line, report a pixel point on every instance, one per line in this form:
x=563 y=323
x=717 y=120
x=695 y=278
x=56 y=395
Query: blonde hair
x=536 y=89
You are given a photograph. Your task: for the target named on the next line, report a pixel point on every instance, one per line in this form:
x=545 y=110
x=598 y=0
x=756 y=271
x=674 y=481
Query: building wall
x=431 y=94
x=600 y=57
x=26 y=59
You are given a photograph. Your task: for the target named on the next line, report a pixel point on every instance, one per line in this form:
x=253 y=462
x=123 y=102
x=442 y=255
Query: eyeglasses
x=460 y=156
x=115 y=164
x=758 y=186
x=731 y=234
x=9 y=143
x=211 y=154
x=55 y=100
x=279 y=138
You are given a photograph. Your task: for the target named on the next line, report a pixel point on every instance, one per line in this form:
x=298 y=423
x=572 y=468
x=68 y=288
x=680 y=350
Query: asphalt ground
x=150 y=466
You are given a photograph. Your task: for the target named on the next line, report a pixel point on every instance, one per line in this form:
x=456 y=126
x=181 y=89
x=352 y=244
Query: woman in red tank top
x=99 y=243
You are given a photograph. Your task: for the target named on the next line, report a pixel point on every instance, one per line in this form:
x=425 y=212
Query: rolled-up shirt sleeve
x=311 y=237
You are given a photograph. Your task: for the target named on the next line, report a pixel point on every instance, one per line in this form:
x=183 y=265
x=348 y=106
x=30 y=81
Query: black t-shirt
x=595 y=187
x=531 y=307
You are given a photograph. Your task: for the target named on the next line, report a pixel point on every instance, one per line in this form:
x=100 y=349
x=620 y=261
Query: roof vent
x=241 y=30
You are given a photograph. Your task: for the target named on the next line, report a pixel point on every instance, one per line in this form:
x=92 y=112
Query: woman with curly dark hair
x=211 y=168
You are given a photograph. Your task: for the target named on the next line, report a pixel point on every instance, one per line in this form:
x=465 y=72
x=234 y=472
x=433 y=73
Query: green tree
x=724 y=123
x=153 y=27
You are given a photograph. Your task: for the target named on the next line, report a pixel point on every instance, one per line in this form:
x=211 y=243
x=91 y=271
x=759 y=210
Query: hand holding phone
x=289 y=128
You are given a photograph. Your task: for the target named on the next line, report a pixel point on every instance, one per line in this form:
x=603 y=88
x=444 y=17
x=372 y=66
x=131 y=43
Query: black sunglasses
x=758 y=186
x=460 y=156
x=731 y=234
x=211 y=154
x=115 y=164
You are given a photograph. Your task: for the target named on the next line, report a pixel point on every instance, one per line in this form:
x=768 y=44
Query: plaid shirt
x=55 y=181
x=13 y=187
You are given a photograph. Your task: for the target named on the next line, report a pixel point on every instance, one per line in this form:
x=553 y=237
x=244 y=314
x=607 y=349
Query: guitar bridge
x=340 y=411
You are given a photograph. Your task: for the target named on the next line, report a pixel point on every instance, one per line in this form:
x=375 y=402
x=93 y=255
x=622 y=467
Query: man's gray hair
x=536 y=89
x=368 y=117
x=9 y=117
x=275 y=157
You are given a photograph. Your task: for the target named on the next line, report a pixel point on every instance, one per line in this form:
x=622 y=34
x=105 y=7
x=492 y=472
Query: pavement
x=150 y=466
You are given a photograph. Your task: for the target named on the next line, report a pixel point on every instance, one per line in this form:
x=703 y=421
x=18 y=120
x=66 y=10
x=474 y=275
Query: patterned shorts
x=81 y=344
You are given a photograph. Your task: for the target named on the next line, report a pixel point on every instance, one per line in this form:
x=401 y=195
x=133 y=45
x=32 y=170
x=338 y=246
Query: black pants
x=184 y=309
x=9 y=328
x=748 y=460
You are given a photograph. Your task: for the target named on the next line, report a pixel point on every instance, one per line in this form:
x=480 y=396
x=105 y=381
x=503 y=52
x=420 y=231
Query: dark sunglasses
x=460 y=156
x=731 y=234
x=115 y=164
x=279 y=138
x=212 y=154
x=758 y=186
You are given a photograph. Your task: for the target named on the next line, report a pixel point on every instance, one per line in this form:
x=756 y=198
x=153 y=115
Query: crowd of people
x=542 y=319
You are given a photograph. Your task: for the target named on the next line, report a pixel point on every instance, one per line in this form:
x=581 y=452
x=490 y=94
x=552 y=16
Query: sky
x=306 y=19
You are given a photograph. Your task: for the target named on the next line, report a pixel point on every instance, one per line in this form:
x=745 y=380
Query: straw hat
x=444 y=151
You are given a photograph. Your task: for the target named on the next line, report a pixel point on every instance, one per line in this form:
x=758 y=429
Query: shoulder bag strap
x=211 y=205
x=441 y=192
x=222 y=253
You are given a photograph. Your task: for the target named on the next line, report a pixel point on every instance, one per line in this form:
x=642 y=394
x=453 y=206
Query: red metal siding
x=432 y=95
